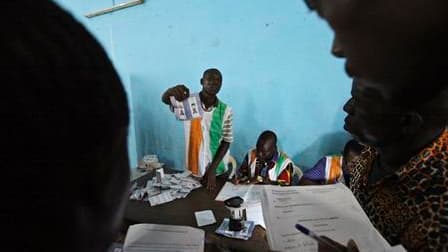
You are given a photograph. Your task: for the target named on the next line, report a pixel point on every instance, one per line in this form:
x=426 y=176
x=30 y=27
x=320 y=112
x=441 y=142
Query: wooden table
x=181 y=212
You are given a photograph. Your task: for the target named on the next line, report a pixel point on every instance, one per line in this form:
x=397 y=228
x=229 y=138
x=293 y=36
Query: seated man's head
x=400 y=42
x=379 y=121
x=266 y=145
x=65 y=170
x=211 y=81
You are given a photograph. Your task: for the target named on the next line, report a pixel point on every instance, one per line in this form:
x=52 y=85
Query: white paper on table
x=184 y=174
x=396 y=248
x=161 y=198
x=251 y=194
x=153 y=237
x=330 y=210
x=254 y=213
x=189 y=183
x=204 y=218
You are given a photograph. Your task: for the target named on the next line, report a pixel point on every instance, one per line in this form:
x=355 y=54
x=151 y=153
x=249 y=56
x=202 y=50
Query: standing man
x=207 y=138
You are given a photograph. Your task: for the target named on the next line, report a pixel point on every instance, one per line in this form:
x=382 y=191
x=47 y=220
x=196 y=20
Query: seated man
x=333 y=169
x=207 y=138
x=401 y=179
x=265 y=164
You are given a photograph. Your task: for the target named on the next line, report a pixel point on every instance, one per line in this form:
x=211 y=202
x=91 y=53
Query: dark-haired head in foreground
x=400 y=43
x=64 y=125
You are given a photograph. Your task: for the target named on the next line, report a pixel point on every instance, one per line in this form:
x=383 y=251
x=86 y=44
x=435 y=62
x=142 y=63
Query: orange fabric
x=194 y=145
x=285 y=177
x=335 y=169
x=253 y=155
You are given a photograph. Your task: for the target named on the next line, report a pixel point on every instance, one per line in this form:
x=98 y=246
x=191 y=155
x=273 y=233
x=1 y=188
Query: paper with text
x=330 y=210
x=251 y=194
x=154 y=237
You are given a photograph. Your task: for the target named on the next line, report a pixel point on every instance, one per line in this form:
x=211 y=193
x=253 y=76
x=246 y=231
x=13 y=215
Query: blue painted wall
x=274 y=56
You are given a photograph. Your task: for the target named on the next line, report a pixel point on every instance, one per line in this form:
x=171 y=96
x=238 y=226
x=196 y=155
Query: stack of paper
x=152 y=238
x=329 y=210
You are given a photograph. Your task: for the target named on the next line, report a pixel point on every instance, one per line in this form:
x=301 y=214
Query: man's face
x=211 y=83
x=265 y=149
x=384 y=40
x=371 y=119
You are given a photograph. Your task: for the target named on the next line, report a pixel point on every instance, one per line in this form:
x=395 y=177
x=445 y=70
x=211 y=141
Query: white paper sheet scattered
x=172 y=186
x=329 y=210
x=161 y=198
x=157 y=238
x=204 y=218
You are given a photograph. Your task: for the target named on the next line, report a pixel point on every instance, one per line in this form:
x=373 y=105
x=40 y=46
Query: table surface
x=181 y=212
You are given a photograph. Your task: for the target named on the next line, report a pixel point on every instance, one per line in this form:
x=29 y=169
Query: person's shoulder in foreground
x=400 y=179
x=65 y=165
x=415 y=195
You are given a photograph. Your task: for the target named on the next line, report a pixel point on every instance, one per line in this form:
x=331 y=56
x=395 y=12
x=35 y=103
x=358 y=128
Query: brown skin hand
x=210 y=173
x=351 y=246
x=180 y=93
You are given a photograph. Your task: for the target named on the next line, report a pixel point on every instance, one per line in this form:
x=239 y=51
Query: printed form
x=154 y=237
x=329 y=210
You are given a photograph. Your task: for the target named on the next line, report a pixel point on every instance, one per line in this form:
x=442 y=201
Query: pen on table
x=317 y=237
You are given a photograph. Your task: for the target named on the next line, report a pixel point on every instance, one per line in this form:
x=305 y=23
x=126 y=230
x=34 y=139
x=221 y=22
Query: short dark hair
x=63 y=106
x=212 y=71
x=268 y=134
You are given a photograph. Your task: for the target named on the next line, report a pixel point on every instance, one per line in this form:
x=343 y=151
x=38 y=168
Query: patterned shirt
x=410 y=206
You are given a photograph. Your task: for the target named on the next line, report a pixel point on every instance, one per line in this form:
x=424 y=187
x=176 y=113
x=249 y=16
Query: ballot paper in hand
x=153 y=237
x=187 y=109
x=330 y=210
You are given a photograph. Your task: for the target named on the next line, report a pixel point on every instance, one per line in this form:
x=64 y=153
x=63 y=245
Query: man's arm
x=211 y=169
x=227 y=138
x=426 y=233
x=242 y=174
x=180 y=92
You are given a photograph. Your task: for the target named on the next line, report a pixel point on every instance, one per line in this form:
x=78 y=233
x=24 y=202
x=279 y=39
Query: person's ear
x=411 y=122
x=202 y=81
